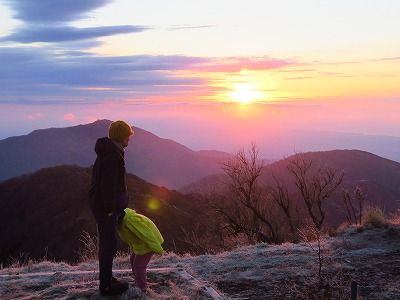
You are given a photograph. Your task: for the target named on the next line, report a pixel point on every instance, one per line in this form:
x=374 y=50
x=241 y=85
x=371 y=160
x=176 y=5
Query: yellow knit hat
x=119 y=130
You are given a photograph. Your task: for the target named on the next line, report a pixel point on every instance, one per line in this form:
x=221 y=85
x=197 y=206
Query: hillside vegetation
x=46 y=213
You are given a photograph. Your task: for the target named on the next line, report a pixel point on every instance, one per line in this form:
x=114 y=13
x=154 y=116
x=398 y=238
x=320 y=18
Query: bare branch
x=244 y=172
x=314 y=186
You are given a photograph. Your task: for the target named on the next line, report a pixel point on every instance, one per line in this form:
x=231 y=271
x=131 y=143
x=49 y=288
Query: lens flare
x=153 y=204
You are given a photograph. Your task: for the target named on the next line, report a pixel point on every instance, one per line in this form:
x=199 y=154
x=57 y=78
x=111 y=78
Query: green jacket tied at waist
x=140 y=233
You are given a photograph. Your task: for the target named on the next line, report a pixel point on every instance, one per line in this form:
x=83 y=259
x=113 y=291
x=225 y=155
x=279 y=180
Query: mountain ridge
x=158 y=160
x=378 y=177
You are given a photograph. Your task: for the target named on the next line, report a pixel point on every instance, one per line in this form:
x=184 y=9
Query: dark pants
x=107 y=243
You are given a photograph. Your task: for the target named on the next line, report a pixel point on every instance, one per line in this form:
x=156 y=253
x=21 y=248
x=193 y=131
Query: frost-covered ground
x=262 y=271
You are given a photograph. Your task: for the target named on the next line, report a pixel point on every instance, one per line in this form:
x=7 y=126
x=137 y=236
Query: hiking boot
x=115 y=288
x=115 y=280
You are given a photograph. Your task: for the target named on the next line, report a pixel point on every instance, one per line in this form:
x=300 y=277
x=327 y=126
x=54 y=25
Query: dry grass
x=335 y=287
x=343 y=227
x=88 y=250
x=374 y=217
x=262 y=271
x=395 y=218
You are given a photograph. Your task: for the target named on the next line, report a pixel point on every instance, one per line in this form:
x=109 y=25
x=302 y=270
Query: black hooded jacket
x=108 y=185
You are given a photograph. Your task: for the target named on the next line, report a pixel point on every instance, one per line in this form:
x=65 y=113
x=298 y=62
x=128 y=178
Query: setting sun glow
x=245 y=93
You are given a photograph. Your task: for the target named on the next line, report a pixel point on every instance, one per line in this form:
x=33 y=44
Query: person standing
x=108 y=198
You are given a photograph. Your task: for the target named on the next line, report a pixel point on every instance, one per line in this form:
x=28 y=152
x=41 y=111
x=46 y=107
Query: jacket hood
x=105 y=146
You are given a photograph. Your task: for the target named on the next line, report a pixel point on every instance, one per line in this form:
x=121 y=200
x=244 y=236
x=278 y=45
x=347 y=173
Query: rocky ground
x=368 y=256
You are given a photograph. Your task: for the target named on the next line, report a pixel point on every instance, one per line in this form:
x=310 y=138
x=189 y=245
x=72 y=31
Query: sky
x=201 y=72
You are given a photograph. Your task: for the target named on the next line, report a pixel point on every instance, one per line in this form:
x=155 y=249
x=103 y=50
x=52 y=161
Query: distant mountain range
x=378 y=177
x=45 y=213
x=157 y=160
x=282 y=142
x=165 y=162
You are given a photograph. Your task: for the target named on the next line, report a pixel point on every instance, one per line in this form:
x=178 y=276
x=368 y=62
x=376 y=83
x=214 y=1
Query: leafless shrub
x=354 y=204
x=330 y=281
x=310 y=234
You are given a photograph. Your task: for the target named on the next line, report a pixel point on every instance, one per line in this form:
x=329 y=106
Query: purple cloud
x=53 y=11
x=31 y=34
x=47 y=21
x=34 y=72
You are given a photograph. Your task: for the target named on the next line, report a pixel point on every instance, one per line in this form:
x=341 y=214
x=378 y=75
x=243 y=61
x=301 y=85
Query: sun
x=245 y=93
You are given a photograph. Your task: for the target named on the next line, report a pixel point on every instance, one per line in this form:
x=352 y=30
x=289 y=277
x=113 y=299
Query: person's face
x=125 y=142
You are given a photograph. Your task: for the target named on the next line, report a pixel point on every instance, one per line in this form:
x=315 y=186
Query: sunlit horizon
x=236 y=68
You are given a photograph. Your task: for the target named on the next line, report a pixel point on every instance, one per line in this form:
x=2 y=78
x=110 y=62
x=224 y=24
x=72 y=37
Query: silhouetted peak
x=101 y=121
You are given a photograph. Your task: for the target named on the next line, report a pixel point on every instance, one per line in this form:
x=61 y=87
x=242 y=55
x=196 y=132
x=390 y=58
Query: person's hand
x=110 y=214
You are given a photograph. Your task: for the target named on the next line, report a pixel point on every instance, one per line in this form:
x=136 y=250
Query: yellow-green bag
x=140 y=233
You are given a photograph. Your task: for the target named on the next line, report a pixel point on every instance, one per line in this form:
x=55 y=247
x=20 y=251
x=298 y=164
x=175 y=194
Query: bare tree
x=354 y=204
x=247 y=210
x=281 y=197
x=315 y=186
x=237 y=218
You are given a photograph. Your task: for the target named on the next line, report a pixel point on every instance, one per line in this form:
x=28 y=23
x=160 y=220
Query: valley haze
x=147 y=152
